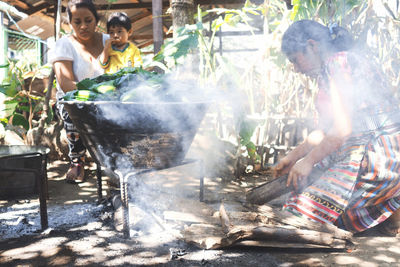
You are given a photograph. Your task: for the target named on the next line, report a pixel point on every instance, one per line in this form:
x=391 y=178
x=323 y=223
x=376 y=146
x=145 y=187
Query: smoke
x=152 y=129
x=148 y=133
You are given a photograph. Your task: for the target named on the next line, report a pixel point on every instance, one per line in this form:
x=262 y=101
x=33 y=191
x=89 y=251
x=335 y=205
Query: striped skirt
x=359 y=186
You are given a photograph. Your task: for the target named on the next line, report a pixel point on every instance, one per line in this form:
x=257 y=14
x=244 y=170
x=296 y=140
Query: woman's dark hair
x=79 y=4
x=119 y=19
x=333 y=38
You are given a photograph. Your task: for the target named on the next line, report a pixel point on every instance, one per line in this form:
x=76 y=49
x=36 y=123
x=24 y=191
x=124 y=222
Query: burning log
x=275 y=188
x=268 y=191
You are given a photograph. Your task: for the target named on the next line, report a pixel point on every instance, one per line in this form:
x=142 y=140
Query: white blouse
x=82 y=68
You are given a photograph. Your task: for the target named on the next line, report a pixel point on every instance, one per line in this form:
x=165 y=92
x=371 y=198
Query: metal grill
x=23 y=47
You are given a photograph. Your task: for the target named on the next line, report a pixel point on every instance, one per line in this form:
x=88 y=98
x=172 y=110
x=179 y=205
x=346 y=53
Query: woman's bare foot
x=76 y=173
x=391 y=226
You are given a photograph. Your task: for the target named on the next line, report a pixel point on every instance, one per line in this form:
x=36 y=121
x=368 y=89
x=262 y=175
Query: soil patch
x=81 y=230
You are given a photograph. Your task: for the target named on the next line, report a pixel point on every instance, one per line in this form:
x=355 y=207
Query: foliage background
x=264 y=82
x=250 y=87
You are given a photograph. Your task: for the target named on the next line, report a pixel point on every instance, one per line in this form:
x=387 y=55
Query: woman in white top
x=74 y=59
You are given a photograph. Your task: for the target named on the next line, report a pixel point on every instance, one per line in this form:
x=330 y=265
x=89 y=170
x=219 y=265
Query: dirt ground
x=89 y=238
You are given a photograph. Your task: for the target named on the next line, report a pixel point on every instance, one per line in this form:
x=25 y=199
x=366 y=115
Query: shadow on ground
x=88 y=238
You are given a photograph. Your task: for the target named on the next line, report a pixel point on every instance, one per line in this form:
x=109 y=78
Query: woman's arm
x=303 y=167
x=65 y=76
x=340 y=130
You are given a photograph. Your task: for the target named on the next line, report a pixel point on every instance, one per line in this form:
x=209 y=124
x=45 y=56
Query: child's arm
x=105 y=55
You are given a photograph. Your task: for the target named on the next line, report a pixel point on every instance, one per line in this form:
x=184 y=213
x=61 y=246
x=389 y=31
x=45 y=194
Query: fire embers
x=157 y=150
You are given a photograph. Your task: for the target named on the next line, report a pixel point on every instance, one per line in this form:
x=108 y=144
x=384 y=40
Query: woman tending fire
x=357 y=144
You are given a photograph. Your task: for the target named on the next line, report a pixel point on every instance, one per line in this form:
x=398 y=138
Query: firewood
x=268 y=213
x=282 y=234
x=225 y=222
x=226 y=235
x=277 y=187
x=317 y=234
x=209 y=236
x=268 y=191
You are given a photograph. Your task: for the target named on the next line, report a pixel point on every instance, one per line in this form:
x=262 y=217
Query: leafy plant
x=216 y=70
x=175 y=50
x=21 y=105
x=246 y=132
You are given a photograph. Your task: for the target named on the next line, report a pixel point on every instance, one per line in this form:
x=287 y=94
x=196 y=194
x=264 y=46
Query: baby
x=118 y=52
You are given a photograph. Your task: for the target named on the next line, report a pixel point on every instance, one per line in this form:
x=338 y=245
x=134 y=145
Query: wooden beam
x=145 y=44
x=128 y=6
x=145 y=13
x=46 y=17
x=225 y=2
x=29 y=9
x=235 y=33
x=20 y=5
x=138 y=24
x=38 y=8
x=147 y=36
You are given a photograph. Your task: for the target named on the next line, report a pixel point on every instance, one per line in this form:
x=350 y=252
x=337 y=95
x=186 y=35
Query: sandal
x=75 y=174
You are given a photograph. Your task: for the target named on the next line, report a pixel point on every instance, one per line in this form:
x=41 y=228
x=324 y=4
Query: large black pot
x=121 y=135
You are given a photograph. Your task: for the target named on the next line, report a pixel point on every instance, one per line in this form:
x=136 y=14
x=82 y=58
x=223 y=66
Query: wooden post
x=58 y=20
x=3 y=50
x=182 y=13
x=157 y=25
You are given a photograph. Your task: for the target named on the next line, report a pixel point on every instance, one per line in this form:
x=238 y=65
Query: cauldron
x=121 y=135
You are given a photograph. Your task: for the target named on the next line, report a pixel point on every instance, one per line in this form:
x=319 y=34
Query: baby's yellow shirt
x=118 y=59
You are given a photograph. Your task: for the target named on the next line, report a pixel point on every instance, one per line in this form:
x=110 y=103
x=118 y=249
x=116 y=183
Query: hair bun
x=341 y=38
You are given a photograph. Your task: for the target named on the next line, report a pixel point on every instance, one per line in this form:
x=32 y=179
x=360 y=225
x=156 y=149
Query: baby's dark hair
x=119 y=19
x=82 y=3
x=332 y=38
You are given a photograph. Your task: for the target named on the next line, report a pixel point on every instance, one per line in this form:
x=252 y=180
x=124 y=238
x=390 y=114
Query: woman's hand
x=299 y=173
x=282 y=167
x=286 y=163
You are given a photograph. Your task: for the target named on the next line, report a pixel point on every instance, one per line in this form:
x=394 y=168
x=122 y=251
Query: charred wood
x=282 y=234
x=268 y=191
x=277 y=187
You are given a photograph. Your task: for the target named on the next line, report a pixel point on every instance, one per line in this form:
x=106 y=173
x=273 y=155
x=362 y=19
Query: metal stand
x=99 y=183
x=41 y=180
x=124 y=185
